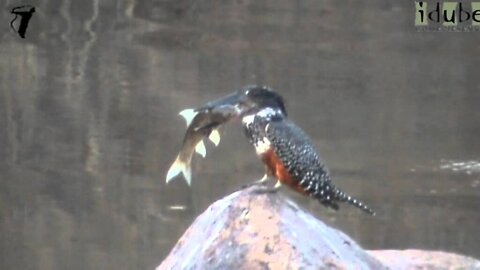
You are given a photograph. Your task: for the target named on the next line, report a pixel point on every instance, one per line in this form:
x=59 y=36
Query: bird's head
x=257 y=98
x=251 y=100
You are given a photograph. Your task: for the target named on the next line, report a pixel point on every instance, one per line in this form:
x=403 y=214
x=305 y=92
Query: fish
x=214 y=137
x=201 y=123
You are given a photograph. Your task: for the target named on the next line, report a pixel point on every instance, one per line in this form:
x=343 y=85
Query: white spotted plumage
x=297 y=154
x=267 y=128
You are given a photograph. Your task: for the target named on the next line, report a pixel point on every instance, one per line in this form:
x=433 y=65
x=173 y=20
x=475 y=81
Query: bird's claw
x=262 y=182
x=265 y=190
x=256 y=183
x=275 y=189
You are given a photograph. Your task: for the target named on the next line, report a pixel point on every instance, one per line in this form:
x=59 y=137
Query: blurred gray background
x=89 y=106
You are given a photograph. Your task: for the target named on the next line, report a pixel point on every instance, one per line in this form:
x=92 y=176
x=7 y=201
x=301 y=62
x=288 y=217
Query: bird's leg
x=275 y=189
x=262 y=181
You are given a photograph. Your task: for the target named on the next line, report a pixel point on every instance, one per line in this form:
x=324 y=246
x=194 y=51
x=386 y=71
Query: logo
x=26 y=13
x=447 y=16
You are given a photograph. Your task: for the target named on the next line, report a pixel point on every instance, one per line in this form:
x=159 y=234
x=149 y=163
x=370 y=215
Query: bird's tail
x=180 y=166
x=343 y=197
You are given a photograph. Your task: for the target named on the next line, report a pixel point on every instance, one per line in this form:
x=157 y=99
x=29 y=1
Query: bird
x=286 y=150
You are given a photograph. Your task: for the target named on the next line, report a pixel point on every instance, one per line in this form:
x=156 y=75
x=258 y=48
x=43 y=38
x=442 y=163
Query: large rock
x=267 y=231
x=264 y=231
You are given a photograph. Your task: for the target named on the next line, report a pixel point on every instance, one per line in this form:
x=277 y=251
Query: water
x=89 y=104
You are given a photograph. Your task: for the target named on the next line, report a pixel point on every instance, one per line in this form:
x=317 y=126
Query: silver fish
x=202 y=122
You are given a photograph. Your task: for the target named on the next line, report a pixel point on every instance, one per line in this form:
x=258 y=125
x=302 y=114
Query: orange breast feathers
x=276 y=168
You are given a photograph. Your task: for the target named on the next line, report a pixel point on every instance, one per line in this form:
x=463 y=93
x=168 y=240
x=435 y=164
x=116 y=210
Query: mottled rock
x=247 y=230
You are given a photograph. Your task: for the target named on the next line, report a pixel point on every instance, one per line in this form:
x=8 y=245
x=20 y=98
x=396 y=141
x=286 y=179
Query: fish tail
x=180 y=166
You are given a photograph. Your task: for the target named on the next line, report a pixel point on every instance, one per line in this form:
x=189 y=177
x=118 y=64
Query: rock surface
x=264 y=231
x=247 y=230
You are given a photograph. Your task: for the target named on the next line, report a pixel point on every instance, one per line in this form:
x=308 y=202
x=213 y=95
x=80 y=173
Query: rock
x=247 y=230
x=423 y=259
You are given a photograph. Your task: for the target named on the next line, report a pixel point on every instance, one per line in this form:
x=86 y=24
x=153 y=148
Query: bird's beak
x=230 y=100
x=236 y=101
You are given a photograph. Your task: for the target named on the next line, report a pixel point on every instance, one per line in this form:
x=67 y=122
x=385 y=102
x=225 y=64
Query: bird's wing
x=299 y=156
x=297 y=153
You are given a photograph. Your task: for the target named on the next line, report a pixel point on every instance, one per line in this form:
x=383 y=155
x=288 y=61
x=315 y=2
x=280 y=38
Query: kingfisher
x=287 y=152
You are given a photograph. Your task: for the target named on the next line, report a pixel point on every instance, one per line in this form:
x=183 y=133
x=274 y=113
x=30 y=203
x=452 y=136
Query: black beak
x=234 y=102
x=230 y=100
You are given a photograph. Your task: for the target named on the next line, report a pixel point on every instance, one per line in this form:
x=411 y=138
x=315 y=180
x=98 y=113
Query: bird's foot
x=262 y=182
x=265 y=190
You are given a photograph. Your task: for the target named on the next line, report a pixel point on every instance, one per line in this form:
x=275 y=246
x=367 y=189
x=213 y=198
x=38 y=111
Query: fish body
x=201 y=123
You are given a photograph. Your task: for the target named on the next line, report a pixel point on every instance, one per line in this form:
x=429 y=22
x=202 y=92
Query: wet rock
x=247 y=230
x=264 y=231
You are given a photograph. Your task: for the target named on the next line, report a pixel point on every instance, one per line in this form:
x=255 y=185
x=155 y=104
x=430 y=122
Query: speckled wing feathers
x=299 y=156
